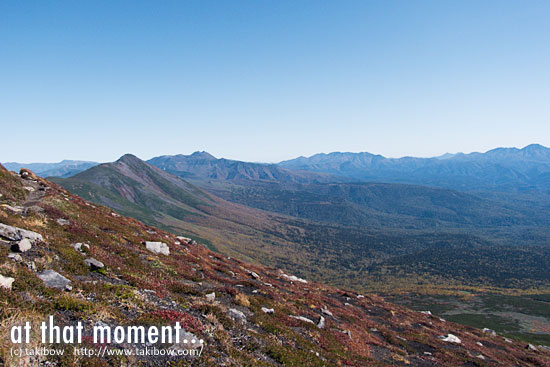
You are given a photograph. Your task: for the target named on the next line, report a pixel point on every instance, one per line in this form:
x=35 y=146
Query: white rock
x=6 y=282
x=531 y=347
x=321 y=323
x=211 y=296
x=478 y=343
x=326 y=311
x=489 y=331
x=426 y=312
x=17 y=234
x=450 y=338
x=63 y=222
x=22 y=246
x=302 y=318
x=293 y=278
x=254 y=275
x=268 y=310
x=158 y=247
x=79 y=246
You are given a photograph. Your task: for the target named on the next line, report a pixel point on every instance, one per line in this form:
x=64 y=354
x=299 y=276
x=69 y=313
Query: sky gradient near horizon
x=271 y=80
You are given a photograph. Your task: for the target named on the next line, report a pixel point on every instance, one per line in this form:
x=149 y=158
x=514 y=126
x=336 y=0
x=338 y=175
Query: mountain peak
x=535 y=148
x=128 y=158
x=202 y=155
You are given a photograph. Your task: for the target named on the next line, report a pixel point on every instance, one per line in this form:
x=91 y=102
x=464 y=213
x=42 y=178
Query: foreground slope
x=260 y=316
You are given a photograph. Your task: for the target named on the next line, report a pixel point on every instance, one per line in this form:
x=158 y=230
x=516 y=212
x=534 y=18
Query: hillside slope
x=403 y=225
x=258 y=316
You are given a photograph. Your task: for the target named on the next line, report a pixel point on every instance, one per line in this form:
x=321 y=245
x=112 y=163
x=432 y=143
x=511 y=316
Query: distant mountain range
x=65 y=168
x=202 y=165
x=501 y=169
x=352 y=234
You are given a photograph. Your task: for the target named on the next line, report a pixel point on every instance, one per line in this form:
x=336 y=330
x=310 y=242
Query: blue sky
x=270 y=80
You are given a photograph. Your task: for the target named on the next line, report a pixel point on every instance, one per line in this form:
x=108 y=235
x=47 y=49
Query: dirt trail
x=36 y=193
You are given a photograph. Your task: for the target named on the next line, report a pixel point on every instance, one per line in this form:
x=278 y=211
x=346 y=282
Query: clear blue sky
x=270 y=80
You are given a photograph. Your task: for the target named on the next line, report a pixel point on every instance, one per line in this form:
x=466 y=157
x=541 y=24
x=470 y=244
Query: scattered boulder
x=450 y=338
x=22 y=246
x=321 y=323
x=80 y=246
x=326 y=311
x=211 y=297
x=237 y=315
x=429 y=313
x=17 y=234
x=293 y=278
x=63 y=222
x=490 y=332
x=532 y=348
x=254 y=275
x=27 y=174
x=15 y=257
x=6 y=282
x=53 y=279
x=268 y=310
x=187 y=341
x=94 y=264
x=157 y=247
x=302 y=318
x=13 y=209
x=31 y=265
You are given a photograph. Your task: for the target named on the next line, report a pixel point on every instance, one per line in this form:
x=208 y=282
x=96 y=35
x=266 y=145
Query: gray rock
x=211 y=297
x=6 y=282
x=157 y=247
x=94 y=264
x=63 y=222
x=53 y=279
x=15 y=257
x=268 y=310
x=490 y=332
x=17 y=234
x=22 y=246
x=187 y=341
x=237 y=315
